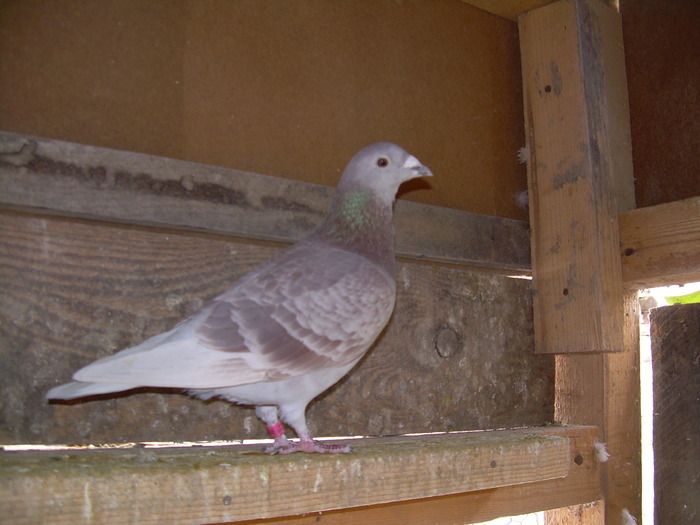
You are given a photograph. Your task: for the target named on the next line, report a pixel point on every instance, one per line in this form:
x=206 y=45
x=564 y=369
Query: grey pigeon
x=291 y=327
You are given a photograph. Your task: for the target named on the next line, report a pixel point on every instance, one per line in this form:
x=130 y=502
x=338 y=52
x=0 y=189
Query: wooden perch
x=225 y=484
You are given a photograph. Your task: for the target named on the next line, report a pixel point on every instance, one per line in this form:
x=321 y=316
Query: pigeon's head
x=382 y=168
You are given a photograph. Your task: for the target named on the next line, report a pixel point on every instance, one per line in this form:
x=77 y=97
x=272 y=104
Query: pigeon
x=294 y=325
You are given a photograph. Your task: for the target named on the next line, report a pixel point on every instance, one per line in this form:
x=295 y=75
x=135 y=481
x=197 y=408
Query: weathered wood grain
x=582 y=485
x=603 y=390
x=661 y=244
x=675 y=349
x=225 y=484
x=457 y=354
x=62 y=178
x=581 y=177
x=580 y=168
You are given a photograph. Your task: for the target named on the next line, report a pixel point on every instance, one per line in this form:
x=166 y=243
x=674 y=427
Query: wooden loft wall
x=290 y=89
x=593 y=387
x=139 y=77
x=662 y=84
x=101 y=249
x=661 y=43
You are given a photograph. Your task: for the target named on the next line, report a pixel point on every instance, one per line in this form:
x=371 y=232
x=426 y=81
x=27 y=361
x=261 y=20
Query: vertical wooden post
x=675 y=348
x=580 y=179
x=580 y=157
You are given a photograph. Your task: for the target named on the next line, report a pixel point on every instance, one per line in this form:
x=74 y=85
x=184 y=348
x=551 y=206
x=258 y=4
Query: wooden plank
x=512 y=9
x=577 y=45
x=451 y=235
x=228 y=484
x=101 y=184
x=675 y=348
x=577 y=514
x=581 y=486
x=603 y=390
x=77 y=290
x=661 y=244
x=571 y=56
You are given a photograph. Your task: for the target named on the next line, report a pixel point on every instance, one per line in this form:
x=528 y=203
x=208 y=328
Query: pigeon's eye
x=382 y=162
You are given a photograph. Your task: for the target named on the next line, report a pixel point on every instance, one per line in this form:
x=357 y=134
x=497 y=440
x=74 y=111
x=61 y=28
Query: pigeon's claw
x=281 y=442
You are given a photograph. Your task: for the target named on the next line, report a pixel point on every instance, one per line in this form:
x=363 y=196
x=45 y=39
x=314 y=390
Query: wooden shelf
x=233 y=483
x=102 y=184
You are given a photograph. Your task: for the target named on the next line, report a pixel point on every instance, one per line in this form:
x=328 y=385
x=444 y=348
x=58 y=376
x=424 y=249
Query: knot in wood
x=447 y=341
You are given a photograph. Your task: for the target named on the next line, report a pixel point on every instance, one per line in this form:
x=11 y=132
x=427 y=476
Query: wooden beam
x=604 y=389
x=581 y=486
x=580 y=174
x=661 y=244
x=229 y=484
x=509 y=9
x=67 y=179
x=571 y=72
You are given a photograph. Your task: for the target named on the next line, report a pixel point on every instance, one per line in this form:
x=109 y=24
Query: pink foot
x=305 y=444
x=310 y=446
x=281 y=442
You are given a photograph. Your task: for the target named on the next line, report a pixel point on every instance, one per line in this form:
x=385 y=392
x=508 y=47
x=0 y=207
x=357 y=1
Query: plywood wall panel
x=284 y=88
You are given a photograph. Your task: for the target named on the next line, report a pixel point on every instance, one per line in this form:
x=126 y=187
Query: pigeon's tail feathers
x=177 y=363
x=76 y=389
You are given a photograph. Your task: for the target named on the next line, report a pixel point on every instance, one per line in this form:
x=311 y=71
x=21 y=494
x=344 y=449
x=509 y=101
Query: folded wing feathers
x=311 y=307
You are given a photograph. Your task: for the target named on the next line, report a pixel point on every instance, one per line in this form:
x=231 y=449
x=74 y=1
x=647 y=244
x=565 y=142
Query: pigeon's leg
x=275 y=429
x=296 y=418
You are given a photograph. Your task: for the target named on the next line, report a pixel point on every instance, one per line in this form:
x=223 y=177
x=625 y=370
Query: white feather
x=601 y=452
x=523 y=154
x=76 y=389
x=627 y=518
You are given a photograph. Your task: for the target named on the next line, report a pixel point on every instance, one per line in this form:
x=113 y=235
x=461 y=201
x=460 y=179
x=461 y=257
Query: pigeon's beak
x=415 y=166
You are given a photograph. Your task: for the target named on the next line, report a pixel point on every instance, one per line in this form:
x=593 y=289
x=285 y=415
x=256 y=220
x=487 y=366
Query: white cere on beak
x=411 y=162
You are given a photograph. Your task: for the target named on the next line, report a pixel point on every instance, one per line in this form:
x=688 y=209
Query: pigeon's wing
x=309 y=308
x=320 y=307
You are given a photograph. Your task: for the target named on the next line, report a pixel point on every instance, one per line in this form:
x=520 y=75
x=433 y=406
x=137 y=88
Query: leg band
x=276 y=430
